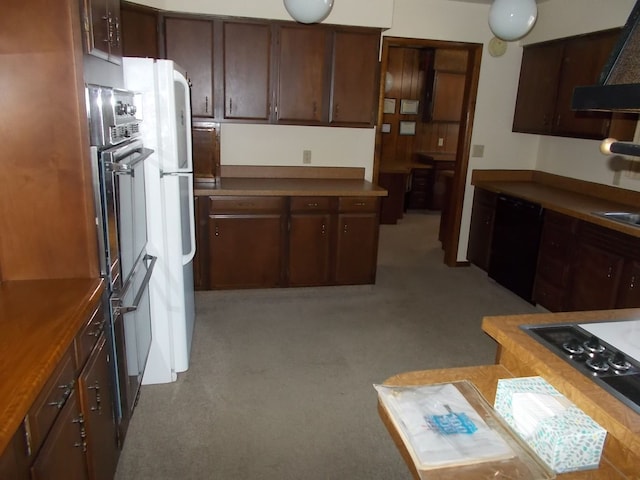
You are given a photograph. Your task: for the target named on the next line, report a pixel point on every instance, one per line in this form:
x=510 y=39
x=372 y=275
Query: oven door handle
x=143 y=287
x=125 y=167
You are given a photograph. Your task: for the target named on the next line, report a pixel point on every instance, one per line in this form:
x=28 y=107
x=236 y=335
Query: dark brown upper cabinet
x=139 y=30
x=253 y=71
x=246 y=71
x=354 y=69
x=302 y=58
x=549 y=73
x=189 y=43
x=102 y=30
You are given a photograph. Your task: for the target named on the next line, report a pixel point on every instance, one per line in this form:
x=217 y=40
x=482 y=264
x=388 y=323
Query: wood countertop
x=38 y=322
x=521 y=355
x=485 y=378
x=568 y=196
x=289 y=181
x=320 y=187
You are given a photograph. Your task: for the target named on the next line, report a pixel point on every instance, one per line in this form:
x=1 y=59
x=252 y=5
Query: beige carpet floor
x=280 y=382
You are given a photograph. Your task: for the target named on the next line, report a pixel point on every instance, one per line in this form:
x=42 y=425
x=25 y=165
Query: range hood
x=618 y=88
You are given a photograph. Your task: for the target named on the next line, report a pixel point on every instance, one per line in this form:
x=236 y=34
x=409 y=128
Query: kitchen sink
x=627 y=218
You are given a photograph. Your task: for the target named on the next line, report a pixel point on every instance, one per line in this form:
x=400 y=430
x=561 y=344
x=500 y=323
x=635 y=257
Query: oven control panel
x=112 y=115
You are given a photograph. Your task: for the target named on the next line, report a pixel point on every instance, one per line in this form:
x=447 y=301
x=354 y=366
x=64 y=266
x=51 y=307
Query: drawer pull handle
x=83 y=433
x=65 y=395
x=99 y=328
x=312 y=204
x=360 y=204
x=98 y=407
x=346 y=228
x=323 y=230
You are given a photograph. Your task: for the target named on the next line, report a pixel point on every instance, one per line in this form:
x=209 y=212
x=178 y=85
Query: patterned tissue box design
x=567 y=442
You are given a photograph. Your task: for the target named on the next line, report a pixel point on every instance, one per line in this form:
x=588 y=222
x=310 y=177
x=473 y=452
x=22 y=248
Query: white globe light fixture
x=512 y=19
x=308 y=11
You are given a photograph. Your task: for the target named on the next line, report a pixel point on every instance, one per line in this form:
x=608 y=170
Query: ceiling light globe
x=512 y=19
x=308 y=11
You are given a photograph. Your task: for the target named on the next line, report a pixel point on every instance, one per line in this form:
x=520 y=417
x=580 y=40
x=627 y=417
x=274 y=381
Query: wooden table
x=485 y=378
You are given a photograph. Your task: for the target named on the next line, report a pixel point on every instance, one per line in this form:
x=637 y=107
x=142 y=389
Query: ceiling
x=486 y=2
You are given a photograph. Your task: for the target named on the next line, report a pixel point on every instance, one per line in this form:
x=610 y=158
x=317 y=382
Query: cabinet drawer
x=311 y=204
x=358 y=204
x=561 y=221
x=52 y=398
x=88 y=336
x=256 y=204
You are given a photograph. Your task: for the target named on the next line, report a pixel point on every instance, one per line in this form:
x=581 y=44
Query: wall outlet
x=440 y=142
x=477 y=151
x=306 y=156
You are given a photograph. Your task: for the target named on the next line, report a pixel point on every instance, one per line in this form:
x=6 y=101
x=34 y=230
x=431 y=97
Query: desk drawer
x=245 y=204
x=88 y=336
x=311 y=204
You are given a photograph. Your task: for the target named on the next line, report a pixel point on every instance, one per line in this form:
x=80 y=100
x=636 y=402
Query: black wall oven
x=118 y=157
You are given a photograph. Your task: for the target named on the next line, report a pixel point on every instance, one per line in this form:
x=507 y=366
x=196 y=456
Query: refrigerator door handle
x=192 y=225
x=178 y=77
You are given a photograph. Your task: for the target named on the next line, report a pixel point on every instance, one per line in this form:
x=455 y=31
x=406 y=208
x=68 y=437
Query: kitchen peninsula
x=519 y=355
x=264 y=227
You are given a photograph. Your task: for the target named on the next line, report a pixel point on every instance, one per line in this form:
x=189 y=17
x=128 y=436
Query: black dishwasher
x=514 y=247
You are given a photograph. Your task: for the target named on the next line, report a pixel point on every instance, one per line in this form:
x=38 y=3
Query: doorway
x=427 y=101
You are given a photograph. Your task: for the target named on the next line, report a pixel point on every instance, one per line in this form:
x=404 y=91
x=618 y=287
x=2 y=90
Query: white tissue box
x=560 y=433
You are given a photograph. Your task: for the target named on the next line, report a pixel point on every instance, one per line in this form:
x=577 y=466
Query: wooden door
x=97 y=400
x=539 y=76
x=481 y=228
x=139 y=31
x=247 y=71
x=629 y=294
x=596 y=276
x=584 y=58
x=355 y=80
x=189 y=43
x=309 y=249
x=356 y=248
x=62 y=454
x=206 y=150
x=448 y=92
x=245 y=251
x=303 y=74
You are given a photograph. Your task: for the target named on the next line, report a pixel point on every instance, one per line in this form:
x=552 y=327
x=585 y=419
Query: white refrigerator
x=164 y=106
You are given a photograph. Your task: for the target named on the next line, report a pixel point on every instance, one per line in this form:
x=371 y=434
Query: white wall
x=577 y=158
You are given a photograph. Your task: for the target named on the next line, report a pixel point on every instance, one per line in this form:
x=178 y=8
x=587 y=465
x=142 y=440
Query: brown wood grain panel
x=46 y=199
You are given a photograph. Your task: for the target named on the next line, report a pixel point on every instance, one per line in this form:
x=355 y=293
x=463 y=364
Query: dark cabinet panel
x=247 y=71
x=549 y=73
x=62 y=455
x=629 y=293
x=355 y=81
x=481 y=228
x=102 y=29
x=189 y=43
x=309 y=249
x=302 y=67
x=356 y=248
x=139 y=31
x=206 y=150
x=97 y=400
x=448 y=92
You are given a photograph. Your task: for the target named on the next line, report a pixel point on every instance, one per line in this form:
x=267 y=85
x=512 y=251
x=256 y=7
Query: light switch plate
x=477 y=151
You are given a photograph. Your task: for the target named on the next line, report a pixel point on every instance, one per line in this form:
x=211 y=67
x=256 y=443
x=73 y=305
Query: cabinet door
x=629 y=294
x=247 y=71
x=303 y=66
x=354 y=89
x=584 y=58
x=596 y=277
x=309 y=249
x=206 y=150
x=101 y=26
x=189 y=43
x=13 y=460
x=97 y=400
x=62 y=454
x=139 y=31
x=356 y=248
x=481 y=228
x=245 y=251
x=448 y=92
x=539 y=76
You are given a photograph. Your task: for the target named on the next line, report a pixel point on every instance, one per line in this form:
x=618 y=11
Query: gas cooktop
x=606 y=352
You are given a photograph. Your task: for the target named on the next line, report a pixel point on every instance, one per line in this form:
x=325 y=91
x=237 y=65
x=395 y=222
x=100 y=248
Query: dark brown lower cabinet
x=629 y=292
x=310 y=232
x=481 y=228
x=62 y=455
x=96 y=387
x=264 y=242
x=245 y=236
